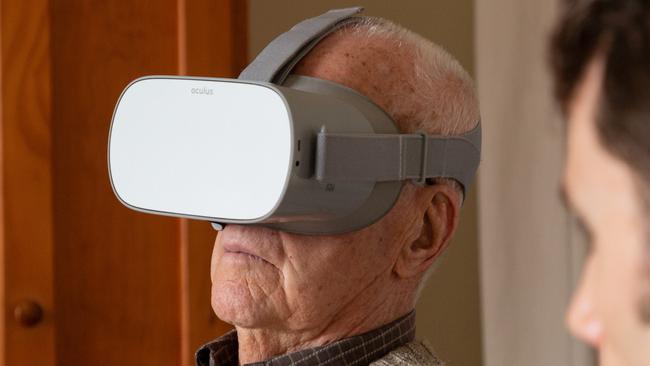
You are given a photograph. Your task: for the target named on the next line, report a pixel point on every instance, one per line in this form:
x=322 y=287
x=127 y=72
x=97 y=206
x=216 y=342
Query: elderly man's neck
x=260 y=344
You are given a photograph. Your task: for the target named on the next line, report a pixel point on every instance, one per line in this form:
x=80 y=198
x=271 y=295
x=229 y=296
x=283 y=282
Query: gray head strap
x=396 y=157
x=277 y=59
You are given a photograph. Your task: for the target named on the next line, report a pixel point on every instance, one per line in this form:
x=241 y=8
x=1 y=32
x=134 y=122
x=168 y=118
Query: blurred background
x=84 y=280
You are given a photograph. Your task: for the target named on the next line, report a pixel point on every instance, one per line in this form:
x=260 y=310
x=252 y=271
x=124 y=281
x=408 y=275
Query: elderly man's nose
x=582 y=319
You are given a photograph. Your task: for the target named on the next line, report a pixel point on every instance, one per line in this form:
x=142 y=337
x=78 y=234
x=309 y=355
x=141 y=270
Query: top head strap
x=279 y=57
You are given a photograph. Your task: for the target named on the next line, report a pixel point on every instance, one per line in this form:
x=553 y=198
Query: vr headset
x=294 y=153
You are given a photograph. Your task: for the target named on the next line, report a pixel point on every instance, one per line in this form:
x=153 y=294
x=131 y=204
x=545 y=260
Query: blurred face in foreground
x=609 y=309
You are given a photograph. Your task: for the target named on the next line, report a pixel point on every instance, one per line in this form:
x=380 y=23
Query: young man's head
x=601 y=61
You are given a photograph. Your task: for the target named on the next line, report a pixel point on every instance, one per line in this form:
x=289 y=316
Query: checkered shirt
x=358 y=350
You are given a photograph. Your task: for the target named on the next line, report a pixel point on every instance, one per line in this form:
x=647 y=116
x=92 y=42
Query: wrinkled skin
x=602 y=191
x=284 y=292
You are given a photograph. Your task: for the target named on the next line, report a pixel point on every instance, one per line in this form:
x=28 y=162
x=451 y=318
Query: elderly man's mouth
x=238 y=252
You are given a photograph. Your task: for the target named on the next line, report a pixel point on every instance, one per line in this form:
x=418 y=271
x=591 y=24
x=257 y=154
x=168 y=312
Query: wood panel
x=117 y=287
x=117 y=271
x=26 y=199
x=216 y=47
x=135 y=279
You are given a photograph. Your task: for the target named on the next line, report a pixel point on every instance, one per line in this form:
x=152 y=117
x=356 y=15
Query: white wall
x=530 y=253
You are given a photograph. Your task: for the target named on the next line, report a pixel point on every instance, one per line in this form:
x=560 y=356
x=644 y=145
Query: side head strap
x=279 y=57
x=393 y=157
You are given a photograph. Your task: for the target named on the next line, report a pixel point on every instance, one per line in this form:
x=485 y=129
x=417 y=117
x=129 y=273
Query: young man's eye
x=582 y=226
x=586 y=232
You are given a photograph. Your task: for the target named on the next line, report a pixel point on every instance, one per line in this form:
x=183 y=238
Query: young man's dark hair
x=620 y=29
x=600 y=57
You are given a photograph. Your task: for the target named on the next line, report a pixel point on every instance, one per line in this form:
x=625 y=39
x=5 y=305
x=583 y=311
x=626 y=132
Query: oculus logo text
x=204 y=90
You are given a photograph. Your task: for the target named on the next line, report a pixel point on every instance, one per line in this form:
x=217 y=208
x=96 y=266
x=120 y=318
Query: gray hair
x=434 y=76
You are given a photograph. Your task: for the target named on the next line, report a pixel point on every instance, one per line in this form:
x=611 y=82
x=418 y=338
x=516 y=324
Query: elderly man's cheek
x=247 y=293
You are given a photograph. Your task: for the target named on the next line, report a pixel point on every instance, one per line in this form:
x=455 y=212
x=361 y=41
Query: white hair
x=441 y=96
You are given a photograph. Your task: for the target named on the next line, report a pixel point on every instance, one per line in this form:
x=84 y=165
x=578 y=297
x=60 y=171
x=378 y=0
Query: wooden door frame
x=27 y=240
x=211 y=41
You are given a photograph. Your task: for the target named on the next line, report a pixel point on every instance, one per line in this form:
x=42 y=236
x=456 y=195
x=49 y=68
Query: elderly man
x=601 y=59
x=349 y=299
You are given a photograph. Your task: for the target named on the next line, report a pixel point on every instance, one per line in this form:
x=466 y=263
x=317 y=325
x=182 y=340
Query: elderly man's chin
x=234 y=304
x=246 y=290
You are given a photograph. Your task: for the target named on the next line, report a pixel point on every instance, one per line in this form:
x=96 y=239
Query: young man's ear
x=439 y=222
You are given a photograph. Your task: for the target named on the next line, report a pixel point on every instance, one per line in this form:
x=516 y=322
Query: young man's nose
x=581 y=317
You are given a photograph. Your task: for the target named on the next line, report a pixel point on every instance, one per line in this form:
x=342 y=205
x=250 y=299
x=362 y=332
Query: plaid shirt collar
x=354 y=351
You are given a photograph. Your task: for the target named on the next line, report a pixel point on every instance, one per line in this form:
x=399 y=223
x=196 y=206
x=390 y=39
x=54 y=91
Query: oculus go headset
x=294 y=153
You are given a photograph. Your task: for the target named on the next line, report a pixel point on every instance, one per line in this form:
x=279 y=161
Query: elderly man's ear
x=437 y=224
